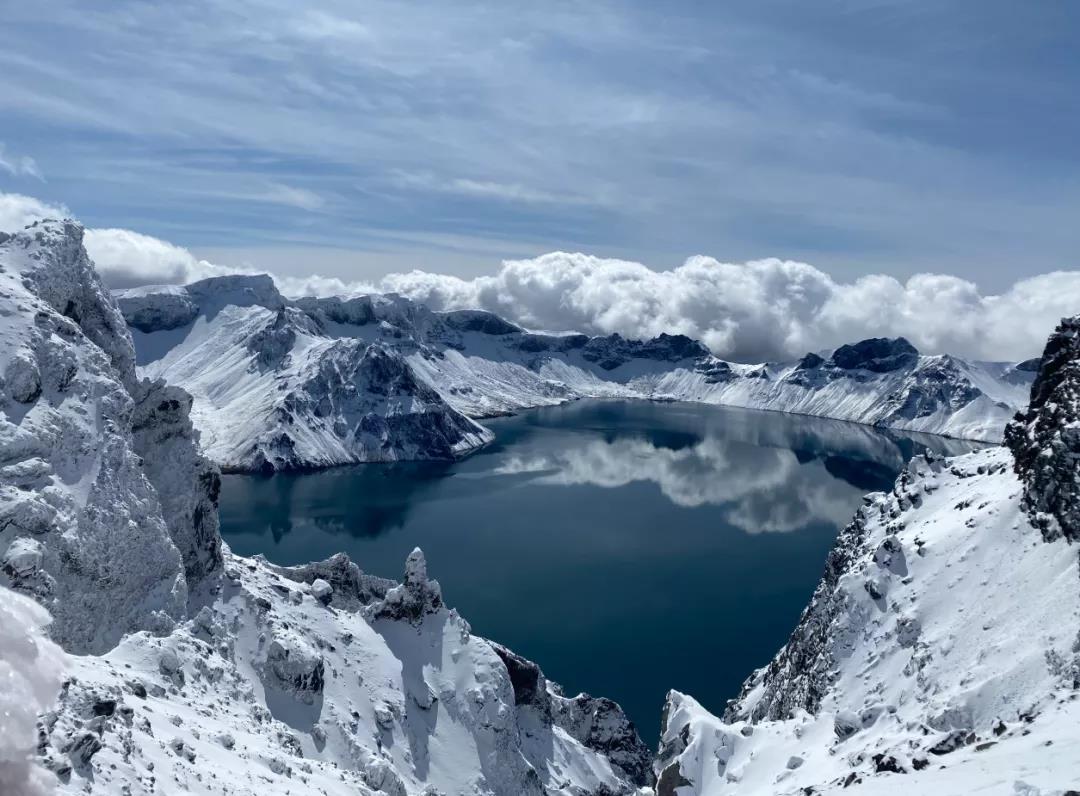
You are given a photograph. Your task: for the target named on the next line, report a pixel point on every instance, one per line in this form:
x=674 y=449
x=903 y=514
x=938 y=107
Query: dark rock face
x=595 y=722
x=164 y=437
x=356 y=311
x=936 y=384
x=374 y=404
x=878 y=355
x=526 y=678
x=415 y=597
x=166 y=311
x=1045 y=440
x=614 y=350
x=669 y=776
x=715 y=371
x=478 y=321
x=801 y=673
x=272 y=344
x=810 y=362
x=600 y=724
x=537 y=343
x=171 y=310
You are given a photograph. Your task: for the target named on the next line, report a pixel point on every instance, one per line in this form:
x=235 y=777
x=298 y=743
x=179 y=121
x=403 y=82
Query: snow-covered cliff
x=108 y=515
x=939 y=652
x=281 y=383
x=203 y=672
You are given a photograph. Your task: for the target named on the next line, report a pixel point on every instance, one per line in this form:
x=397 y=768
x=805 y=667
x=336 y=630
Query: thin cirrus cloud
x=884 y=138
x=758 y=310
x=19 y=165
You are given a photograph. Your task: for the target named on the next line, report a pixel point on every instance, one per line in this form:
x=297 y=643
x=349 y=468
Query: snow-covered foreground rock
x=108 y=515
x=280 y=383
x=198 y=671
x=939 y=653
x=321 y=679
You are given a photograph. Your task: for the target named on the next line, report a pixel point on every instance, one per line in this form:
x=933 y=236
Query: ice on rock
x=322 y=591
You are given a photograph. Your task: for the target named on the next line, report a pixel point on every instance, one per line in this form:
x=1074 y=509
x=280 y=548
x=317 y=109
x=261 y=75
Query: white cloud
x=764 y=309
x=760 y=310
x=277 y=193
x=128 y=259
x=16 y=211
x=488 y=189
x=19 y=166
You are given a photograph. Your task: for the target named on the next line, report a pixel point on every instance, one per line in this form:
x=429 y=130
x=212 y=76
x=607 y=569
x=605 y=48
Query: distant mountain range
x=287 y=384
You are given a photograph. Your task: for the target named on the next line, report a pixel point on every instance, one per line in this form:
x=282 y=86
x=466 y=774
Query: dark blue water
x=627 y=547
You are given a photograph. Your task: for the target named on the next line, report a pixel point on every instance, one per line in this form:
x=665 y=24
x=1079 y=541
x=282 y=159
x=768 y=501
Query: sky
x=356 y=140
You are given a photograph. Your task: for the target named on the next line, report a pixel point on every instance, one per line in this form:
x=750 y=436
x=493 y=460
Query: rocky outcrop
x=415 y=597
x=1045 y=440
x=597 y=723
x=612 y=351
x=187 y=484
x=878 y=355
x=83 y=526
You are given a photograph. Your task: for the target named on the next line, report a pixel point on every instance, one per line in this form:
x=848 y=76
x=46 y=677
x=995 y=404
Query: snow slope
x=939 y=653
x=321 y=679
x=280 y=383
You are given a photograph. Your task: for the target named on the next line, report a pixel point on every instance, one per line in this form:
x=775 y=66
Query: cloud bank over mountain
x=767 y=309
x=763 y=309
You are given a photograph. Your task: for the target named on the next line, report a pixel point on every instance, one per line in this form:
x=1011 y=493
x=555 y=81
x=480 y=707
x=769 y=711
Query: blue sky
x=356 y=138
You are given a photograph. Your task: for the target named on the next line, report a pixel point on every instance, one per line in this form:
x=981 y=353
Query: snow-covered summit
x=245 y=352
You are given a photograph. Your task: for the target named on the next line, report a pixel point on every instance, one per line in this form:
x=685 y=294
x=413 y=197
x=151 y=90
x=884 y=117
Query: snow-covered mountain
x=203 y=672
x=940 y=652
x=280 y=383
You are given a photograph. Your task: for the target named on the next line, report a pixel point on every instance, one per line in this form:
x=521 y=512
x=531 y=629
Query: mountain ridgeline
x=291 y=384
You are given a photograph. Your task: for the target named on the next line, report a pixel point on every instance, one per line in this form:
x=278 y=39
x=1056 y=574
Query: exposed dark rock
x=478 y=321
x=1045 y=440
x=612 y=351
x=878 y=355
x=413 y=598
